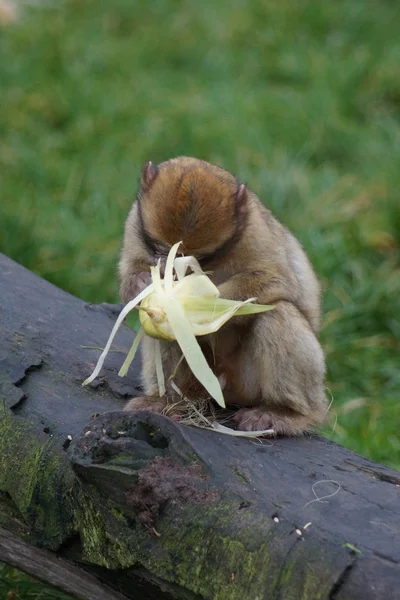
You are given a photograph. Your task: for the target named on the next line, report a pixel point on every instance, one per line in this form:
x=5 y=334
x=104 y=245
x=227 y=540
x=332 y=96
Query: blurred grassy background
x=300 y=99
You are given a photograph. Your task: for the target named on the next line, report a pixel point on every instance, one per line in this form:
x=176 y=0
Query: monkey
x=270 y=365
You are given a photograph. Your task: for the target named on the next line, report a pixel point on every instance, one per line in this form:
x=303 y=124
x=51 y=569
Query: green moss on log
x=197 y=547
x=38 y=478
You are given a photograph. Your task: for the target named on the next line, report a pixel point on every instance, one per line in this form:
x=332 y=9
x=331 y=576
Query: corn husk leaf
x=206 y=314
x=181 y=311
x=132 y=352
x=183 y=263
x=190 y=347
x=236 y=433
x=196 y=285
x=159 y=370
x=197 y=417
x=127 y=309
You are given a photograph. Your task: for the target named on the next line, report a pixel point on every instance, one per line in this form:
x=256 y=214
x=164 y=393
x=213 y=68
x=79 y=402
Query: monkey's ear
x=242 y=199
x=148 y=175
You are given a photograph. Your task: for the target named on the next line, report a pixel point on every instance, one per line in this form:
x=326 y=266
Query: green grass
x=300 y=99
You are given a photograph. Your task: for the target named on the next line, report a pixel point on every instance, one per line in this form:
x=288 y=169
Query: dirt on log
x=158 y=510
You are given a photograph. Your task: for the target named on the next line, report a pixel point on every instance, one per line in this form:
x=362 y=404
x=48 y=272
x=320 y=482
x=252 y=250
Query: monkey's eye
x=204 y=258
x=160 y=250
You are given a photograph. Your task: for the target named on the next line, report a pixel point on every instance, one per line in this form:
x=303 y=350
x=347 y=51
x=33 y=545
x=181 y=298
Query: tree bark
x=52 y=569
x=159 y=510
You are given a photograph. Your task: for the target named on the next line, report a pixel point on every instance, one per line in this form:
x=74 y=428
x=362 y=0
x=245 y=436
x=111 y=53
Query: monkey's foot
x=255 y=419
x=171 y=406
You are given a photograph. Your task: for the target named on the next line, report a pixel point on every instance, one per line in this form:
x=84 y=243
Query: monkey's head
x=190 y=200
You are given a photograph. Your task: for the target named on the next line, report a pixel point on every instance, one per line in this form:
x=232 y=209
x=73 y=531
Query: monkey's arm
x=135 y=262
x=268 y=286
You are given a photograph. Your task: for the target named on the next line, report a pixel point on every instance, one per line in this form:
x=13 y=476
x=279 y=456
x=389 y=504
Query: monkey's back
x=307 y=295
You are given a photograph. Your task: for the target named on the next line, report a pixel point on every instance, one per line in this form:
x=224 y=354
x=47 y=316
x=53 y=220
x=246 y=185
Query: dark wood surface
x=161 y=510
x=48 y=567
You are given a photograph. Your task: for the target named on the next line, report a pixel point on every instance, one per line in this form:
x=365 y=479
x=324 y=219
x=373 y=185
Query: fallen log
x=154 y=509
x=50 y=568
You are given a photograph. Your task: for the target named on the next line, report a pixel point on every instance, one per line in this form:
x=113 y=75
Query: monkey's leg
x=170 y=406
x=280 y=375
x=152 y=403
x=273 y=421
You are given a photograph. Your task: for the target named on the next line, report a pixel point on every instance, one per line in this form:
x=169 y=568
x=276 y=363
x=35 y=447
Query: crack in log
x=375 y=473
x=343 y=577
x=34 y=366
x=386 y=557
x=13 y=375
x=282 y=570
x=368 y=500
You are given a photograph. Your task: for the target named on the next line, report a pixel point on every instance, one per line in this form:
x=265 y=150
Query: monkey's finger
x=163 y=262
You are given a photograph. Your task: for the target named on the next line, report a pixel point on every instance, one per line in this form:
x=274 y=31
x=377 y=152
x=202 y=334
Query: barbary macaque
x=270 y=365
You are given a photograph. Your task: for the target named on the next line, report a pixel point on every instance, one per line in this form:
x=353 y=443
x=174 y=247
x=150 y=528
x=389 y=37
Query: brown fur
x=270 y=363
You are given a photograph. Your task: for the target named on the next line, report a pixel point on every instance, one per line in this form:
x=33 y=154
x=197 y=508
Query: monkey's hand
x=240 y=287
x=133 y=284
x=266 y=286
x=163 y=262
x=243 y=286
